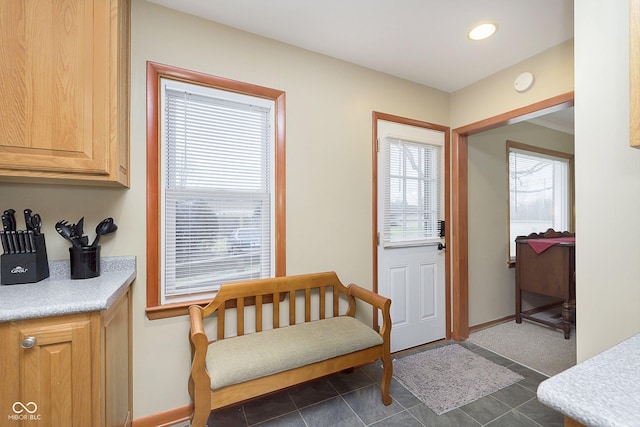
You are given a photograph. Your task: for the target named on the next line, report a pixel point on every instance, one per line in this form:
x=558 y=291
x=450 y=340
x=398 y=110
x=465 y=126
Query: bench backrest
x=317 y=293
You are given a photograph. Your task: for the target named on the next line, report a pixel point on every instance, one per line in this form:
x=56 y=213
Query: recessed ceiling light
x=482 y=31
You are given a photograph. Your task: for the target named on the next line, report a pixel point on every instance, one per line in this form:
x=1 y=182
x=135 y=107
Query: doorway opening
x=459 y=200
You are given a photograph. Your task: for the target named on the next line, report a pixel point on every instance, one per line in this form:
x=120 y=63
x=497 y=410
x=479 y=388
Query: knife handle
x=32 y=240
x=6 y=222
x=16 y=242
x=5 y=242
x=10 y=243
x=27 y=219
x=10 y=214
x=36 y=224
x=19 y=242
x=24 y=240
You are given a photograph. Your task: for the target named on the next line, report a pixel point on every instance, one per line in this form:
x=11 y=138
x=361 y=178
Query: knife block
x=25 y=267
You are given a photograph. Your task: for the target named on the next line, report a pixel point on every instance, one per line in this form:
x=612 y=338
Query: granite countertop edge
x=601 y=391
x=60 y=295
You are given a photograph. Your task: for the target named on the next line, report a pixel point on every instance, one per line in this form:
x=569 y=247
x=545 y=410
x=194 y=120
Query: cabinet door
x=56 y=370
x=117 y=363
x=63 y=86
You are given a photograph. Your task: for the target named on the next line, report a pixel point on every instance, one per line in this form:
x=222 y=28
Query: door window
x=412 y=193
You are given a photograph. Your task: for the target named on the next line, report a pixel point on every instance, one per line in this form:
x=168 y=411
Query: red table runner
x=541 y=245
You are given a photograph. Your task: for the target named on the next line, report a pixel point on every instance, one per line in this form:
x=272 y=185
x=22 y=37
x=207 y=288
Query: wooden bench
x=262 y=347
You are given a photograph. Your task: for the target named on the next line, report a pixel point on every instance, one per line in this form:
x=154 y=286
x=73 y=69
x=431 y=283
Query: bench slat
x=276 y=310
x=322 y=296
x=259 y=313
x=240 y=316
x=307 y=305
x=221 y=317
x=292 y=307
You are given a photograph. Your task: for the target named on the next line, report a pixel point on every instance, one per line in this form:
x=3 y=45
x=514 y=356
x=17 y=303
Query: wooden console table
x=545 y=265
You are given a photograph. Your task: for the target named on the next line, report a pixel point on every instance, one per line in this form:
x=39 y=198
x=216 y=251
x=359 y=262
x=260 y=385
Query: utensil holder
x=30 y=267
x=85 y=262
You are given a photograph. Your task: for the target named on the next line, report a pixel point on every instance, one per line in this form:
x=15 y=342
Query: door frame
x=374 y=196
x=459 y=198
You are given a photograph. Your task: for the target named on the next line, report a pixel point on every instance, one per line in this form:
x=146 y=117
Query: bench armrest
x=377 y=301
x=368 y=296
x=197 y=335
x=199 y=380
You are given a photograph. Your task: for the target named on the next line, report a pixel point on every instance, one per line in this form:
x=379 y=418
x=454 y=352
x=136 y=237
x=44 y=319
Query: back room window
x=540 y=191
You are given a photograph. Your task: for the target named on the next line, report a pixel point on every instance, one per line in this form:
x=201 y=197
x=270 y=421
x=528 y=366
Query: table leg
x=566 y=319
x=518 y=306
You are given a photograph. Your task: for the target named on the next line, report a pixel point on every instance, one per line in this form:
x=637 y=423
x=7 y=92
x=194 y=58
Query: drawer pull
x=28 y=342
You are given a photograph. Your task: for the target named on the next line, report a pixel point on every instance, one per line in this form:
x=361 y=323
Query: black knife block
x=25 y=267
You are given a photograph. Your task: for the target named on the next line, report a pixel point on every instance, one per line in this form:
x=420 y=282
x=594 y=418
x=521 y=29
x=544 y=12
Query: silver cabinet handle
x=28 y=342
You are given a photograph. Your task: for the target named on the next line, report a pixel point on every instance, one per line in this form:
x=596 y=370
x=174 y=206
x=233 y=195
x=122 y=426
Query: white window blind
x=217 y=190
x=412 y=193
x=539 y=194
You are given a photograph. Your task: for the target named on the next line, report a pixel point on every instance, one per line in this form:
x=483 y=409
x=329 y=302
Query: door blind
x=412 y=192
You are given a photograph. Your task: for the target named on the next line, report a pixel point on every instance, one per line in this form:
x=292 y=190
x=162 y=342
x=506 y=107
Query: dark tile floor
x=353 y=399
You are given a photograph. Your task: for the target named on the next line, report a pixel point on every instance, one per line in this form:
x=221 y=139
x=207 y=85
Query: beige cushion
x=238 y=359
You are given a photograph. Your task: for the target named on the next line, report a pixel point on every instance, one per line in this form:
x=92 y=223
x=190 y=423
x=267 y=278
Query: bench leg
x=199 y=418
x=387 y=373
x=201 y=404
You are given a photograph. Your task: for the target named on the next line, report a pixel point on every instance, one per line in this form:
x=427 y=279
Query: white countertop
x=58 y=294
x=601 y=391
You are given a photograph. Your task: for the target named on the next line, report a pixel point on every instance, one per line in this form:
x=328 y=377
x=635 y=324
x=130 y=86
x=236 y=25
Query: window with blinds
x=539 y=192
x=412 y=193
x=217 y=185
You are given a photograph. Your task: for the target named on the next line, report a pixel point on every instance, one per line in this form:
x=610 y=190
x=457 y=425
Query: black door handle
x=441 y=246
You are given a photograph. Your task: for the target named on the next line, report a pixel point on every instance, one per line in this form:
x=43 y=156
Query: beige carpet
x=535 y=346
x=448 y=377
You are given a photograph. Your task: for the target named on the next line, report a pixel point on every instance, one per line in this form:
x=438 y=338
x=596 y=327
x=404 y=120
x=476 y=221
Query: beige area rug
x=448 y=377
x=530 y=344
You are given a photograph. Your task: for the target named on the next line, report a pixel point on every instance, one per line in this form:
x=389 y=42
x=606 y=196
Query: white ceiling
x=424 y=41
x=562 y=121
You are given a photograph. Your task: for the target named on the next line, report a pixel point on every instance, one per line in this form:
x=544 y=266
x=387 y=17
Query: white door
x=411 y=264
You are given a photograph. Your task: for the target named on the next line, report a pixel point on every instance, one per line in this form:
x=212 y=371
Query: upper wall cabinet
x=634 y=71
x=64 y=91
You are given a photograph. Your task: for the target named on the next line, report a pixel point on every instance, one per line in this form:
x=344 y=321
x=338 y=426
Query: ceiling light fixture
x=482 y=31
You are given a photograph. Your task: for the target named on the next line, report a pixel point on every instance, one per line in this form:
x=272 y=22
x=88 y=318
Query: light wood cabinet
x=634 y=72
x=72 y=370
x=64 y=80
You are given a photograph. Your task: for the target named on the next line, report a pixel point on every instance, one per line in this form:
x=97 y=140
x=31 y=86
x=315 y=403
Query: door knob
x=441 y=246
x=28 y=342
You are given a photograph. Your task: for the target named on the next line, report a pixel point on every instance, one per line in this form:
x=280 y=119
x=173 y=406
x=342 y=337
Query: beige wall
x=607 y=180
x=495 y=95
x=329 y=109
x=491 y=283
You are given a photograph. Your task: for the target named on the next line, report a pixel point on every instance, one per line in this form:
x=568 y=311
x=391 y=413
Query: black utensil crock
x=85 y=262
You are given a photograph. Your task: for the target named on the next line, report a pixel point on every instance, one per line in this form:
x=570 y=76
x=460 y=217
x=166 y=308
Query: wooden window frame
x=511 y=260
x=155 y=72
